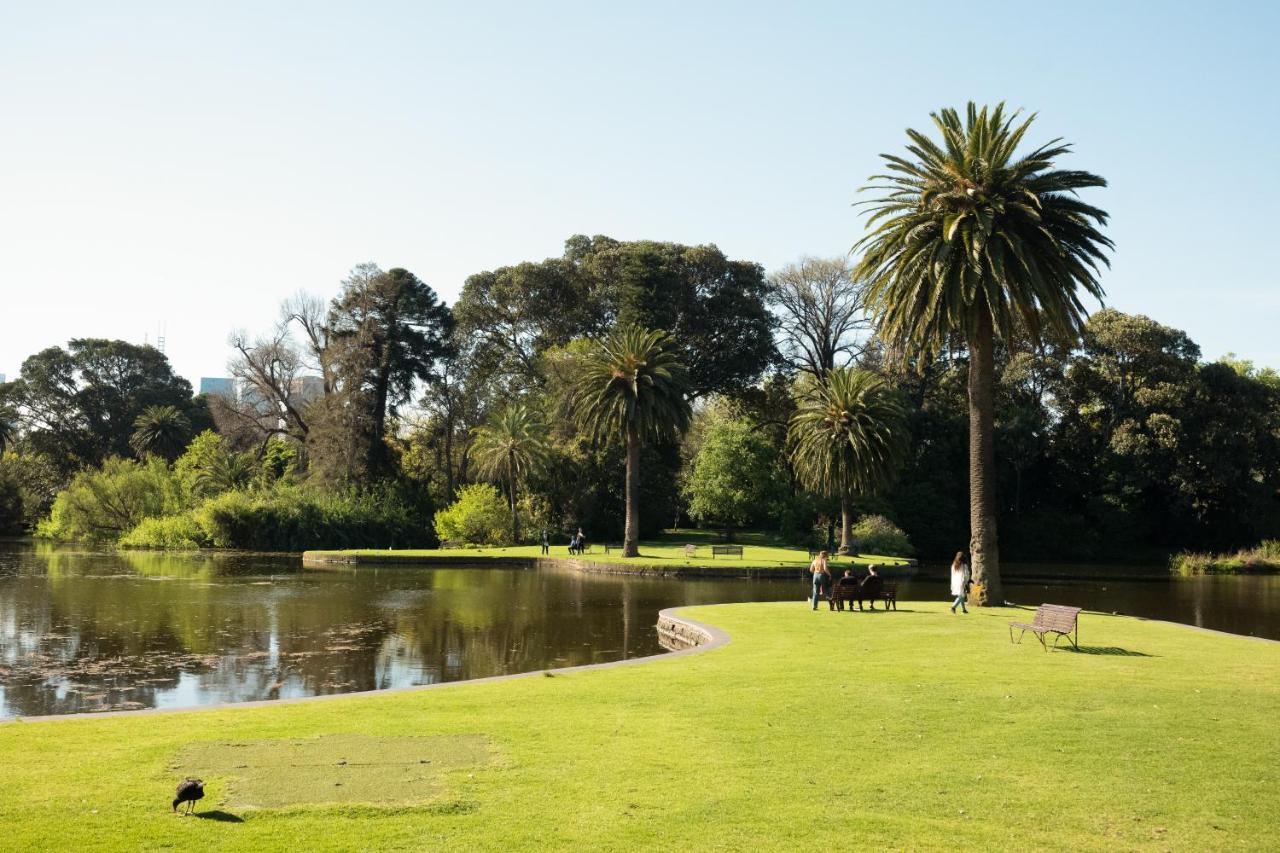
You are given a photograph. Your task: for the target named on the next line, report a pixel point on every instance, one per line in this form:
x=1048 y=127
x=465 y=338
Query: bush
x=1264 y=558
x=296 y=519
x=877 y=535
x=479 y=515
x=102 y=505
x=174 y=532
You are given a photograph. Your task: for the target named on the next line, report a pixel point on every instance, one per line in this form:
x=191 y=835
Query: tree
x=632 y=385
x=735 y=477
x=821 y=314
x=79 y=405
x=161 y=430
x=477 y=516
x=385 y=332
x=968 y=240
x=848 y=437
x=508 y=448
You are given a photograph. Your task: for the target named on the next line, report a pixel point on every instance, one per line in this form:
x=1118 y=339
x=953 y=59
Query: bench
x=690 y=551
x=727 y=550
x=449 y=543
x=1054 y=619
x=840 y=593
x=610 y=547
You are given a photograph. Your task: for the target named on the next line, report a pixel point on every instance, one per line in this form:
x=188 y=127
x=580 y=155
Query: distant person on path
x=960 y=578
x=821 y=577
x=546 y=542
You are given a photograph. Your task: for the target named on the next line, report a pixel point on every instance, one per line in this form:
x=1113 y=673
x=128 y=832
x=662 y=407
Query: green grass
x=759 y=551
x=808 y=731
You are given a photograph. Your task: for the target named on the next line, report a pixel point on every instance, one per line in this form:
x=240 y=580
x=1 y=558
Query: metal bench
x=1055 y=619
x=727 y=550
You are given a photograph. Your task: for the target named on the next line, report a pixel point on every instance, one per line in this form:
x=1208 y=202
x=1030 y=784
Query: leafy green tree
x=970 y=239
x=478 y=516
x=508 y=448
x=631 y=385
x=735 y=478
x=162 y=431
x=385 y=332
x=79 y=405
x=8 y=432
x=848 y=437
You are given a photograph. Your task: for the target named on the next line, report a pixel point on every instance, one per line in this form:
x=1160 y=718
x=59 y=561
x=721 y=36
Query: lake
x=84 y=631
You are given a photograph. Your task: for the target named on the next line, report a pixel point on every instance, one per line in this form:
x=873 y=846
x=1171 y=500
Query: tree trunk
x=983 y=547
x=846 y=525
x=515 y=518
x=631 y=537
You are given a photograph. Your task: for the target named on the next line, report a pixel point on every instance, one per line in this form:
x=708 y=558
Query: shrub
x=876 y=534
x=101 y=505
x=175 y=532
x=479 y=516
x=1264 y=558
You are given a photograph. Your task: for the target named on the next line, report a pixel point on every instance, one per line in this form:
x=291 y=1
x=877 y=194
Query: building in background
x=2 y=379
x=304 y=389
x=218 y=386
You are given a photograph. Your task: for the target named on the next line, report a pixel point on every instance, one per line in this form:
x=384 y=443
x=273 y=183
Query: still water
x=82 y=631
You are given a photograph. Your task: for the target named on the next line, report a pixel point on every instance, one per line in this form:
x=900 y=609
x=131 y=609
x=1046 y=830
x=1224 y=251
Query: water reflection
x=82 y=631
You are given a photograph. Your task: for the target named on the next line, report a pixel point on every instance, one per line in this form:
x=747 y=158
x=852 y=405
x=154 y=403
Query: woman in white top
x=960 y=582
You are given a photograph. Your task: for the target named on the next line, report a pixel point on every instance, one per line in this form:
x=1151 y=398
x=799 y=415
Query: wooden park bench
x=1051 y=619
x=610 y=547
x=841 y=593
x=727 y=550
x=449 y=543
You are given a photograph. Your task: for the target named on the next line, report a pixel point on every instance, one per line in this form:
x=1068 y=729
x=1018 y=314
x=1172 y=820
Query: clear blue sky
x=192 y=165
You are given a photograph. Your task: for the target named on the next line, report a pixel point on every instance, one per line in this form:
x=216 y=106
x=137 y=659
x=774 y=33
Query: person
x=573 y=544
x=960 y=582
x=847 y=584
x=871 y=588
x=546 y=542
x=582 y=542
x=821 y=577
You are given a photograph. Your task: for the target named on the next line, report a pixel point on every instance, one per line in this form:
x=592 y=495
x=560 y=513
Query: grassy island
x=807 y=731
x=761 y=554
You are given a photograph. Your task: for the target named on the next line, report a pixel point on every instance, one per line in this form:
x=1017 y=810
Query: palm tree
x=224 y=472
x=847 y=437
x=632 y=383
x=965 y=239
x=161 y=430
x=510 y=446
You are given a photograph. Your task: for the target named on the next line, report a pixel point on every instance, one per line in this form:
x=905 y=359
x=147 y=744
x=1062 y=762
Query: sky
x=181 y=168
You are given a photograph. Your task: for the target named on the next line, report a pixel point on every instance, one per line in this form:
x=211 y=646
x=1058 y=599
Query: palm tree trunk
x=846 y=525
x=983 y=547
x=631 y=537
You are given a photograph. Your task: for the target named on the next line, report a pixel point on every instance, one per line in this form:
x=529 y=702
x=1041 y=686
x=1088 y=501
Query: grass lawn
x=759 y=551
x=916 y=729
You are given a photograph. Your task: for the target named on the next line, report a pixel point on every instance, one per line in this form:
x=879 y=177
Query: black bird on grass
x=189 y=790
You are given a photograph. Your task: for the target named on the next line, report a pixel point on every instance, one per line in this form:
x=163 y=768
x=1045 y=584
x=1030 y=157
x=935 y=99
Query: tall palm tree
x=161 y=430
x=847 y=437
x=967 y=237
x=509 y=447
x=633 y=384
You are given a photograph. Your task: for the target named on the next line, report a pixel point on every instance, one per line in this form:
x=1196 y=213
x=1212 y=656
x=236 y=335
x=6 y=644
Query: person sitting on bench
x=847 y=585
x=871 y=588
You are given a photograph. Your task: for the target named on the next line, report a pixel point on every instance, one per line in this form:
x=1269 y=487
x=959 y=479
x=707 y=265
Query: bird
x=189 y=790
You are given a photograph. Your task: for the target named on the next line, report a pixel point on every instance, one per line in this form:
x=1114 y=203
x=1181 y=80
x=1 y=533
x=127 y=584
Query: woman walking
x=960 y=582
x=821 y=577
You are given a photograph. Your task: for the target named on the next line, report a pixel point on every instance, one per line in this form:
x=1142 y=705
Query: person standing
x=821 y=577
x=960 y=582
x=546 y=542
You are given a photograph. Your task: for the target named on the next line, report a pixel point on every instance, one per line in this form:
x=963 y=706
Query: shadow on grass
x=1105 y=650
x=219 y=816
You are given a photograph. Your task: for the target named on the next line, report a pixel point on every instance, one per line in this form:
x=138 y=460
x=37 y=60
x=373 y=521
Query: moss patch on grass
x=346 y=768
x=916 y=730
